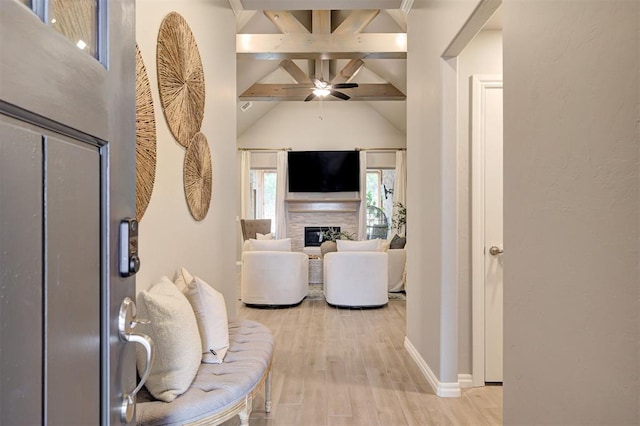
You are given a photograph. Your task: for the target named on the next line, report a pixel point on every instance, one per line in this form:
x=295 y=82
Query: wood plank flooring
x=349 y=367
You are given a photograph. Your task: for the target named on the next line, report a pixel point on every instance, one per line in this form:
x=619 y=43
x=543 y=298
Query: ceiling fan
x=322 y=89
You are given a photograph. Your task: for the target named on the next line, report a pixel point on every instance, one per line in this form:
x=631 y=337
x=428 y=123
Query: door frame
x=479 y=87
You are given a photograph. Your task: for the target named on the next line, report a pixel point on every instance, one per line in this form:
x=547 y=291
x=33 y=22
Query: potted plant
x=330 y=236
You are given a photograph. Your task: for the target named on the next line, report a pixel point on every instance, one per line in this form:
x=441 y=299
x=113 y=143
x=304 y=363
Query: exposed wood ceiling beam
x=356 y=21
x=285 y=22
x=295 y=71
x=322 y=46
x=321 y=24
x=288 y=92
x=348 y=71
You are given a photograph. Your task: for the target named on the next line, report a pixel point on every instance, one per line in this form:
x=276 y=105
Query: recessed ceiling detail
x=322 y=47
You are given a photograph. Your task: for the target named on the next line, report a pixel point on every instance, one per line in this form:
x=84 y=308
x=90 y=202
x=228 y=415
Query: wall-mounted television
x=324 y=171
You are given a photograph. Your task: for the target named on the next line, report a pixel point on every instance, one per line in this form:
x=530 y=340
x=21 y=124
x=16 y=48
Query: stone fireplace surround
x=320 y=212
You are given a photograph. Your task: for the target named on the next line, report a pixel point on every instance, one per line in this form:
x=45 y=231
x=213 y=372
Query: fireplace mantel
x=316 y=205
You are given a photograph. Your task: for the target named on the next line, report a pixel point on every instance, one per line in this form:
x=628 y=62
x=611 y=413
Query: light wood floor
x=349 y=367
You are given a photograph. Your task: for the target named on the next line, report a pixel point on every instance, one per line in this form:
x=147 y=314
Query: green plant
x=332 y=234
x=399 y=219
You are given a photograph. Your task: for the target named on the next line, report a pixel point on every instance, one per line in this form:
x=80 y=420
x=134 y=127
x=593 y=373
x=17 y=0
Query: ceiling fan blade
x=310 y=97
x=344 y=85
x=340 y=95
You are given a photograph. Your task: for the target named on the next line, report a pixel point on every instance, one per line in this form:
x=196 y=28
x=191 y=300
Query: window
x=263 y=195
x=379 y=200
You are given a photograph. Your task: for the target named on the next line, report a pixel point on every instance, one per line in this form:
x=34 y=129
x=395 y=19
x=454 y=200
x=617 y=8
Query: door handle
x=495 y=250
x=126 y=323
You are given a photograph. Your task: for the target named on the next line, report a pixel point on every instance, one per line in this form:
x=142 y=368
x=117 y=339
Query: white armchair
x=356 y=278
x=397 y=277
x=274 y=278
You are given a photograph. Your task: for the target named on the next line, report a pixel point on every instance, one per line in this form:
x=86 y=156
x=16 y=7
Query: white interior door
x=493 y=262
x=487 y=222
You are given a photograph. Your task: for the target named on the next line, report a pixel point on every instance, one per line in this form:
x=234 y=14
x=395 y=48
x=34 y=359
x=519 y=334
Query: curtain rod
x=264 y=149
x=291 y=149
x=381 y=149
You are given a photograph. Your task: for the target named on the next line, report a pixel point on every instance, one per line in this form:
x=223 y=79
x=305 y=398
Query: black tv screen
x=324 y=171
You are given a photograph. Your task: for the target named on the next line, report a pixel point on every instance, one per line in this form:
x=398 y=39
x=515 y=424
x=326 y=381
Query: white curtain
x=245 y=185
x=281 y=193
x=400 y=185
x=362 y=216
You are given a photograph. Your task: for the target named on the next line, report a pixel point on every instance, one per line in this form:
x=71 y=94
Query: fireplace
x=313 y=234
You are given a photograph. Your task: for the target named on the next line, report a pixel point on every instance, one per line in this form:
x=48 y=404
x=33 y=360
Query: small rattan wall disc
x=198 y=176
x=180 y=78
x=145 y=138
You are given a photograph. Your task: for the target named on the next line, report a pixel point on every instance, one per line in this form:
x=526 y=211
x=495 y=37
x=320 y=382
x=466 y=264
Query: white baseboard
x=465 y=380
x=444 y=390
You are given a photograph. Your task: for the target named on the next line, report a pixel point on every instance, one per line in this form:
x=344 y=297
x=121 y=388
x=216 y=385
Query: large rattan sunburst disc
x=180 y=78
x=145 y=138
x=198 y=176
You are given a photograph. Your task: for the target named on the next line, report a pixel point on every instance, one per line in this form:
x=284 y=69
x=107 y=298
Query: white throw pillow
x=174 y=331
x=211 y=315
x=271 y=245
x=365 y=245
x=260 y=236
x=182 y=279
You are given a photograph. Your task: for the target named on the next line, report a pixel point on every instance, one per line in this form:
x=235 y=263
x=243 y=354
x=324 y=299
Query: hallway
x=349 y=367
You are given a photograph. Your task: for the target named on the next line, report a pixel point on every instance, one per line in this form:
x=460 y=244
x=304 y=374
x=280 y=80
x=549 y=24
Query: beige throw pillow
x=365 y=245
x=260 y=236
x=174 y=332
x=211 y=315
x=182 y=279
x=271 y=245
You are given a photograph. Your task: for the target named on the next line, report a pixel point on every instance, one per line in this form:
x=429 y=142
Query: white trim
x=480 y=85
x=236 y=6
x=444 y=390
x=406 y=6
x=479 y=17
x=465 y=380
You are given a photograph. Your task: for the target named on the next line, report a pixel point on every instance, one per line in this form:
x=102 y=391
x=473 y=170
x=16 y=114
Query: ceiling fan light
x=321 y=92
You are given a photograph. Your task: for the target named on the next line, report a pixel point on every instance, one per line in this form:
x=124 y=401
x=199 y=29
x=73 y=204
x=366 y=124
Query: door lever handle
x=126 y=323
x=495 y=250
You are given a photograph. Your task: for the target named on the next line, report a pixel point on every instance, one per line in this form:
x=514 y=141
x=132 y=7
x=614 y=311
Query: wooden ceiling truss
x=322 y=48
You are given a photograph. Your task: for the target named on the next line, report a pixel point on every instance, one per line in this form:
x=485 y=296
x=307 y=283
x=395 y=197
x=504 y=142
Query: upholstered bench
x=220 y=391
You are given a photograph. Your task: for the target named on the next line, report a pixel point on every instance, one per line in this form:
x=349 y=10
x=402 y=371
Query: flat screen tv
x=324 y=171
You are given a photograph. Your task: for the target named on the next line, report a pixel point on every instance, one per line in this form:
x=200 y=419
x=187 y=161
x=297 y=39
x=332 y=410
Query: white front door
x=487 y=262
x=67 y=177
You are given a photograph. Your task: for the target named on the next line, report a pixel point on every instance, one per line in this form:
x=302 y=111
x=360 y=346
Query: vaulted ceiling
x=281 y=49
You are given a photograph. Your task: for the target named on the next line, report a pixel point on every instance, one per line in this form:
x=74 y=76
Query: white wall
x=482 y=56
x=571 y=102
x=431 y=307
x=169 y=236
x=344 y=125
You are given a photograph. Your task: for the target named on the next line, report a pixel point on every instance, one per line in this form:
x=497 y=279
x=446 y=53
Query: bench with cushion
x=201 y=369
x=219 y=391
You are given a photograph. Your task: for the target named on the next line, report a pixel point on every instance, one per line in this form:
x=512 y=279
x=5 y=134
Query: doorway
x=471 y=52
x=487 y=225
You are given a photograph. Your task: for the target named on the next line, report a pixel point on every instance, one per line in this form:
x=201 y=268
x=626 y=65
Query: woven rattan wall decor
x=198 y=176
x=180 y=78
x=145 y=138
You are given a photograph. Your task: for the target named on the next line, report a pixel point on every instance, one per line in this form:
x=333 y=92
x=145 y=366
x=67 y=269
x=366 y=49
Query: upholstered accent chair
x=356 y=278
x=251 y=227
x=272 y=274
